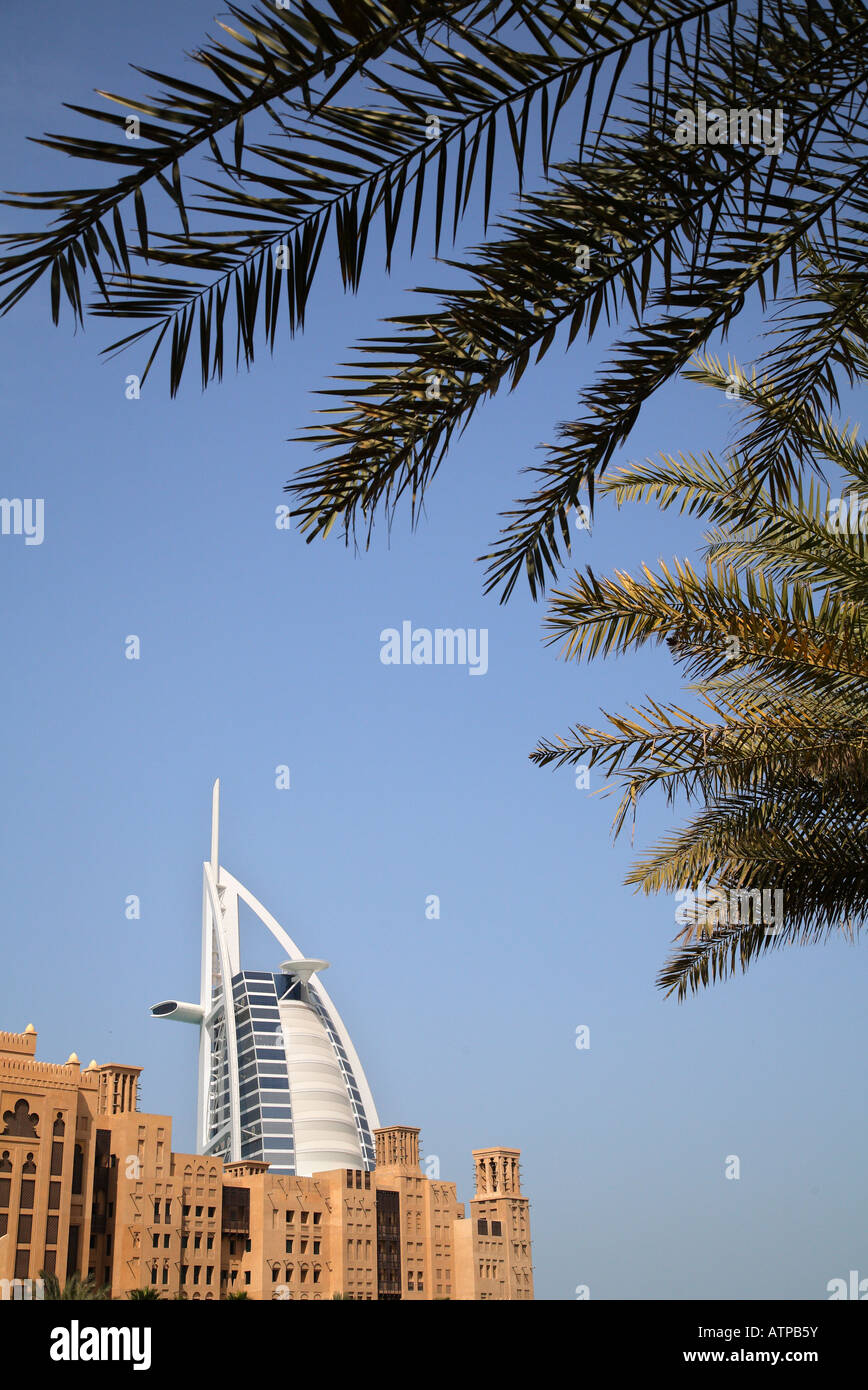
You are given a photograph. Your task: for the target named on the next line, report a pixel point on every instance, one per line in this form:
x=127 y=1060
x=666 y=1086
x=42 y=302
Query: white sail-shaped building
x=279 y=1078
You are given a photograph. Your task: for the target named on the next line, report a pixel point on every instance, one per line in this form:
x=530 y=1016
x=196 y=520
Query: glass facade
x=264 y=1086
x=263 y=1079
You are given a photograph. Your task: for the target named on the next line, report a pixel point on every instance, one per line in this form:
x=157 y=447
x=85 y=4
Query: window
x=166 y=1241
x=304 y=1216
x=290 y=1217
x=247 y=1276
x=317 y=1218
x=165 y=1274
x=496 y=1228
x=482 y=1227
x=184 y=1240
x=198 y=1211
x=156 y=1213
x=289 y=1247
x=54 y=1197
x=197 y=1270
x=316 y=1274
x=212 y=1211
x=155 y=1242
x=209 y=1274
x=316 y=1246
x=247 y=1246
x=274 y=1274
x=21 y=1122
x=168 y=1211
x=26 y=1199
x=197 y=1242
x=185 y=1211
x=154 y=1275
x=210 y=1243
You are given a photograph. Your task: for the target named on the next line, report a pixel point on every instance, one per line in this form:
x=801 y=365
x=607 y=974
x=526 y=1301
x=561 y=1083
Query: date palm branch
x=773 y=637
x=315 y=125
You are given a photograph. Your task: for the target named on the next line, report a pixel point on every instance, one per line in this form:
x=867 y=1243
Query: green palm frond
x=74 y=1288
x=323 y=165
x=774 y=636
x=814 y=851
x=714 y=238
x=698 y=964
x=315 y=125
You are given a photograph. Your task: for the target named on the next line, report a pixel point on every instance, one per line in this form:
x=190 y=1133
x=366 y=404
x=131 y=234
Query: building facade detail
x=89 y=1185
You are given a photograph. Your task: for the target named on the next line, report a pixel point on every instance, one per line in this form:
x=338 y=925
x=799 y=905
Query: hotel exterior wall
x=47 y=1133
x=188 y=1225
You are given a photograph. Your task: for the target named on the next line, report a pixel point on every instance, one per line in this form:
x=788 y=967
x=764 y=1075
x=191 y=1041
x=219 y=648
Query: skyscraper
x=279 y=1078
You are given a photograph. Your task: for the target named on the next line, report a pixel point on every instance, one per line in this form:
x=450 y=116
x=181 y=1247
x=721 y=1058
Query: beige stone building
x=89 y=1185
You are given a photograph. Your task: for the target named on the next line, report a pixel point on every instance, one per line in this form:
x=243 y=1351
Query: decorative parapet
x=67 y=1074
x=18 y=1043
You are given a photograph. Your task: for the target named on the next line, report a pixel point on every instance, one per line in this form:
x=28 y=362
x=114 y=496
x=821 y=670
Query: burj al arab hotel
x=279 y=1078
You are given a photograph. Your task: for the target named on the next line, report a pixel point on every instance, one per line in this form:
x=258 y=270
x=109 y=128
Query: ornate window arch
x=20 y=1122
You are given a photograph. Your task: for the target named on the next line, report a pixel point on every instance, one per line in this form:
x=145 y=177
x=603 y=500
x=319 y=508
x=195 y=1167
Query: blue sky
x=258 y=650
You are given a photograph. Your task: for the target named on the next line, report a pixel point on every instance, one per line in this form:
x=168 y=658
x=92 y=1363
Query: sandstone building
x=90 y=1185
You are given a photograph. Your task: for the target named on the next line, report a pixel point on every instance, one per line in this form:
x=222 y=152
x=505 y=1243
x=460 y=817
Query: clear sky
x=258 y=650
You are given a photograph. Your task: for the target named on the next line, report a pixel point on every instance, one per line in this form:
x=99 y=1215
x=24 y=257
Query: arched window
x=5 y=1162
x=59 y=1127
x=29 y=1166
x=20 y=1122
